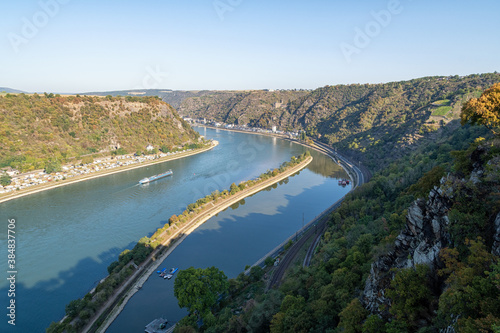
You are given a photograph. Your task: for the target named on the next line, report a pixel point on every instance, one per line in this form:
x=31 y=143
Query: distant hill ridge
x=370 y=121
x=10 y=90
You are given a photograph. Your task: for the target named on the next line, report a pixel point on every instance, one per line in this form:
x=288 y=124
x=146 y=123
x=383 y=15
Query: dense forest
x=415 y=249
x=37 y=130
x=371 y=122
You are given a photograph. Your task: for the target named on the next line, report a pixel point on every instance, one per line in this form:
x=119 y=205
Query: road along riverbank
x=115 y=303
x=357 y=177
x=97 y=174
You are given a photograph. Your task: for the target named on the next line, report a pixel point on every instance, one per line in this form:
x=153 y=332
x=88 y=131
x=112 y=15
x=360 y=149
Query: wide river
x=66 y=237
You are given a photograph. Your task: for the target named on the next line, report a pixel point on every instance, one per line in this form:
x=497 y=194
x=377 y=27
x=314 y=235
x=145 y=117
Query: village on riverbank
x=32 y=182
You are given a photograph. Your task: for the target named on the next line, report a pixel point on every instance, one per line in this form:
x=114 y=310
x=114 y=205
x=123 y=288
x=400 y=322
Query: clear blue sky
x=78 y=46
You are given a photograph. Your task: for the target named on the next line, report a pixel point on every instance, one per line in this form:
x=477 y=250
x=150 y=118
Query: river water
x=66 y=237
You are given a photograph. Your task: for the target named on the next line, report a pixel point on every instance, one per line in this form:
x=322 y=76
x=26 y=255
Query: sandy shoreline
x=46 y=187
x=188 y=229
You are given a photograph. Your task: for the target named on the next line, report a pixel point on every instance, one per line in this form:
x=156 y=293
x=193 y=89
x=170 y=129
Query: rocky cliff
x=425 y=234
x=431 y=226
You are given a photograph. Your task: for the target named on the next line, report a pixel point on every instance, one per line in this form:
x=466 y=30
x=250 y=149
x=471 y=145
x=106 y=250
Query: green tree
x=256 y=273
x=373 y=324
x=173 y=219
x=474 y=288
x=484 y=110
x=74 y=307
x=410 y=295
x=5 y=179
x=52 y=166
x=198 y=289
x=422 y=188
x=233 y=188
x=351 y=318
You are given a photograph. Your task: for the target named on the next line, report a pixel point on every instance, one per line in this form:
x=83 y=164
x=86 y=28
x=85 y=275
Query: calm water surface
x=66 y=237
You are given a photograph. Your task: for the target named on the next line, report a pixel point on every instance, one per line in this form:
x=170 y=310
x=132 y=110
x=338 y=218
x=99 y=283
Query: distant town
x=273 y=130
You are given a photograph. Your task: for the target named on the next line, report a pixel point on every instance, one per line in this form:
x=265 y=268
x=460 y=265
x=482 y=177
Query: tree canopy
x=484 y=110
x=198 y=289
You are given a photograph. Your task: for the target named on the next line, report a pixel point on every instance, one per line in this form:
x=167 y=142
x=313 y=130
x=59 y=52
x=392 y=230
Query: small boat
x=155 y=177
x=157 y=325
x=343 y=182
x=161 y=271
x=170 y=274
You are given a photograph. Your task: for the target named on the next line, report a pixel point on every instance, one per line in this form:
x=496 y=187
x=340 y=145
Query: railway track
x=316 y=232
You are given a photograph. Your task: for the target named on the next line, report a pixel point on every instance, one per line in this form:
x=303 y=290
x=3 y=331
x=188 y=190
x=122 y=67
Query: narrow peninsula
x=128 y=274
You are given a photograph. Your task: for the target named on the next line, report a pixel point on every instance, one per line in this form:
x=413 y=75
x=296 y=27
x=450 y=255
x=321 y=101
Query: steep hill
x=370 y=121
x=415 y=249
x=401 y=254
x=35 y=129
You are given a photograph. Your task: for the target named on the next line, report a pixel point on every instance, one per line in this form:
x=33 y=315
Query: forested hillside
x=416 y=249
x=40 y=129
x=370 y=121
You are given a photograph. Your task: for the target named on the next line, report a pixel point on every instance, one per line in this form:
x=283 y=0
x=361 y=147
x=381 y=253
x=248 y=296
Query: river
x=66 y=237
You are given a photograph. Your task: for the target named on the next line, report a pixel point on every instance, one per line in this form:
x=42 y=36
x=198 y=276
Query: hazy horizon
x=66 y=46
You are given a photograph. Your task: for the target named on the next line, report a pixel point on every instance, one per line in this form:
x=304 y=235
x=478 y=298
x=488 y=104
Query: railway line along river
x=66 y=237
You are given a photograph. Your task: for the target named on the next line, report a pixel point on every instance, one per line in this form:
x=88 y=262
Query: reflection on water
x=68 y=236
x=325 y=167
x=233 y=239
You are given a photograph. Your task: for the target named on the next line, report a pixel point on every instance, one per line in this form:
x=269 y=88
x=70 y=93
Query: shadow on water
x=49 y=294
x=325 y=168
x=228 y=241
x=74 y=283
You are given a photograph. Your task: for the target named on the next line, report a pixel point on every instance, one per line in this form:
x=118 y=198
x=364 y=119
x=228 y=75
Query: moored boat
x=170 y=274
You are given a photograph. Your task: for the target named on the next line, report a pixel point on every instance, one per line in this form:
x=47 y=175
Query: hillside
x=370 y=121
x=415 y=249
x=412 y=250
x=37 y=129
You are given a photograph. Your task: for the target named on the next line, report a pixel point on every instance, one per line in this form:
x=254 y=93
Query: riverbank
x=52 y=185
x=128 y=288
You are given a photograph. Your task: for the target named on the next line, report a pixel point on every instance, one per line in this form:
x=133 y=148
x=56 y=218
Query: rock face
x=419 y=243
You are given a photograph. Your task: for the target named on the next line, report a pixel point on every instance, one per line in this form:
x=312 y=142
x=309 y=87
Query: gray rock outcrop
x=419 y=243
